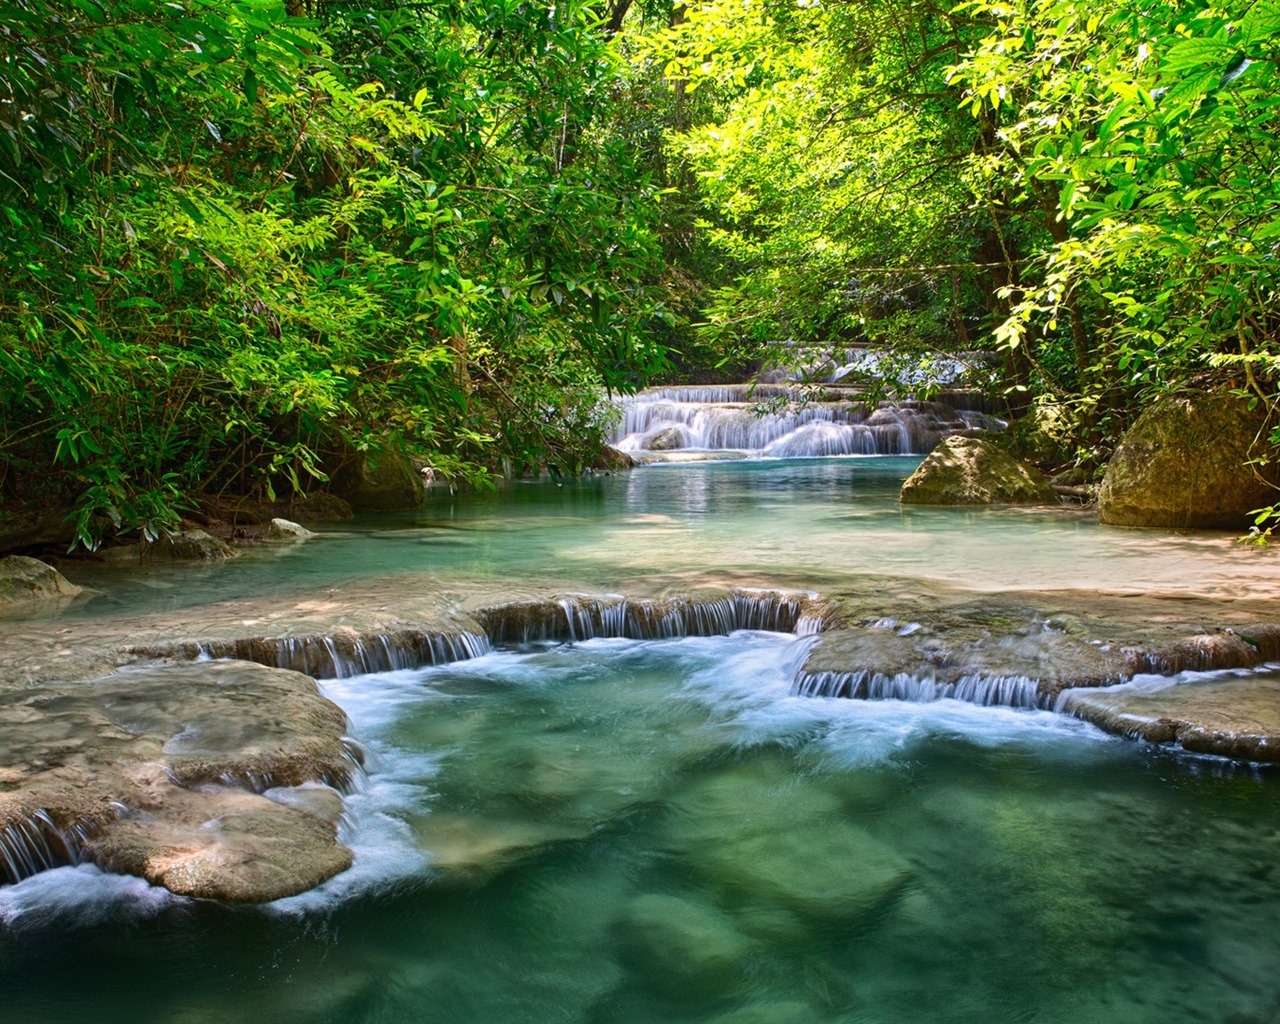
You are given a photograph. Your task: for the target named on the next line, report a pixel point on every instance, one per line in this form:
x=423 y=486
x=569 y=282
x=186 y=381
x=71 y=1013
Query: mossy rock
x=24 y=580
x=192 y=545
x=971 y=471
x=1183 y=465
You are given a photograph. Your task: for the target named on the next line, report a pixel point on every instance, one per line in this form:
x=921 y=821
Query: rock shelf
x=157 y=765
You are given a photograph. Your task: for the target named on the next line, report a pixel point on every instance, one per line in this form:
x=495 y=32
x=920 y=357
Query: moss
x=1183 y=464
x=971 y=471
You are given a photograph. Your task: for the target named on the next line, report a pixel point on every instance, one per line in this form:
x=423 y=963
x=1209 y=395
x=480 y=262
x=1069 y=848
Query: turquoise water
x=622 y=832
x=617 y=832
x=810 y=523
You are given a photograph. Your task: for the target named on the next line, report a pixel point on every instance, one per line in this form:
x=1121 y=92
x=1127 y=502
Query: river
x=620 y=831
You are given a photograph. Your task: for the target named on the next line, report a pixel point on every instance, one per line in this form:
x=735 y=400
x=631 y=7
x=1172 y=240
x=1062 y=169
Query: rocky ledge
x=213 y=779
x=1233 y=715
x=222 y=778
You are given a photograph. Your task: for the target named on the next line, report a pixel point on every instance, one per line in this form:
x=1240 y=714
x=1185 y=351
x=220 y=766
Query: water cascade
x=778 y=422
x=340 y=654
x=987 y=691
x=578 y=617
x=33 y=843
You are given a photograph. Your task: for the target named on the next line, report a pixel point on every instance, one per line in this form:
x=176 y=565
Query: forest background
x=247 y=241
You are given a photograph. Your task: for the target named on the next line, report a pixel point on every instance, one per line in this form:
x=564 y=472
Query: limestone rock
x=971 y=471
x=26 y=580
x=666 y=439
x=380 y=482
x=321 y=507
x=25 y=529
x=1182 y=465
x=191 y=545
x=223 y=843
x=153 y=771
x=1231 y=716
x=284 y=530
x=612 y=458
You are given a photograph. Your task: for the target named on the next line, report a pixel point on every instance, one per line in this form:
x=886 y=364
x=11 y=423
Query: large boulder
x=1183 y=464
x=667 y=439
x=26 y=580
x=28 y=529
x=380 y=481
x=971 y=471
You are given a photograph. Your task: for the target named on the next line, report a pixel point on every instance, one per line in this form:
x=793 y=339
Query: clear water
x=805 y=522
x=617 y=832
x=620 y=832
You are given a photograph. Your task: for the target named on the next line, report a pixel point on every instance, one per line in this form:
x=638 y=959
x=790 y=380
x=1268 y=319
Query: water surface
x=811 y=523
x=622 y=832
x=618 y=831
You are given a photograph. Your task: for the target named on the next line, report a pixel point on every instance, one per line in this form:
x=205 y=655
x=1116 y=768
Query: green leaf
x=1192 y=53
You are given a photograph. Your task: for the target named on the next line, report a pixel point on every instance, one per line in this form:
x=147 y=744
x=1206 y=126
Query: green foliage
x=1149 y=135
x=830 y=156
x=240 y=245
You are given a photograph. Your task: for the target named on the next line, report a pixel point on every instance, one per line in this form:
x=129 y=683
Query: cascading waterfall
x=573 y=618
x=988 y=691
x=728 y=418
x=343 y=655
x=35 y=843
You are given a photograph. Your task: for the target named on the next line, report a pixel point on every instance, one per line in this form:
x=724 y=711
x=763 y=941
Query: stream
x=617 y=831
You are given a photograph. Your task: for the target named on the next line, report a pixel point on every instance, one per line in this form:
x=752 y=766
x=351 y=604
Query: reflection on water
x=616 y=832
x=801 y=522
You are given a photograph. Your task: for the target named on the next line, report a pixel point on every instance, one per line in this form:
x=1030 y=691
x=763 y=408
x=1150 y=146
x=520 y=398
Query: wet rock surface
x=1022 y=648
x=1184 y=465
x=971 y=471
x=157 y=772
x=80 y=771
x=1235 y=716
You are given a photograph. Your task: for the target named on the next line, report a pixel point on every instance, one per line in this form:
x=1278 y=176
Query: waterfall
x=728 y=418
x=339 y=655
x=576 y=617
x=33 y=843
x=988 y=691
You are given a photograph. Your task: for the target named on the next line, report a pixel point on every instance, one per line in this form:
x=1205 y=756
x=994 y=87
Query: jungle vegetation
x=246 y=240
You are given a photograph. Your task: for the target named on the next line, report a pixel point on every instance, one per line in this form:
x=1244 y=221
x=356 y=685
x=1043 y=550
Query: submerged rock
x=26 y=580
x=761 y=840
x=688 y=948
x=1234 y=716
x=1183 y=465
x=971 y=471
x=156 y=772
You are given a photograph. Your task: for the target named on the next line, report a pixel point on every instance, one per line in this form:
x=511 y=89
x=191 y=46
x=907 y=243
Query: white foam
x=80 y=897
x=751 y=689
